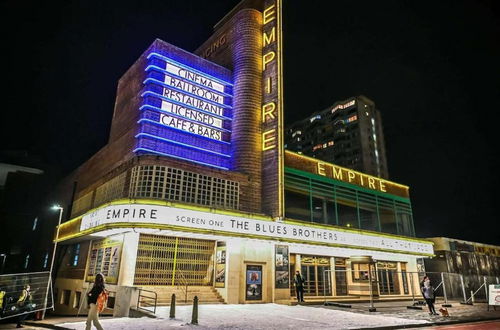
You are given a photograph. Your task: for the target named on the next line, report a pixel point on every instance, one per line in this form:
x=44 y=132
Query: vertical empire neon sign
x=272 y=108
x=186 y=112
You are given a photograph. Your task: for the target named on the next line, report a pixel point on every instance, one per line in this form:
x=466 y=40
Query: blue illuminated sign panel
x=186 y=112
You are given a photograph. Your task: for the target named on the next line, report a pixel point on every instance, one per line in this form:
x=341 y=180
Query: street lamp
x=61 y=209
x=4 y=256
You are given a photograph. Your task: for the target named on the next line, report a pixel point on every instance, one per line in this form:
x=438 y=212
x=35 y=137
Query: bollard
x=172 y=307
x=194 y=318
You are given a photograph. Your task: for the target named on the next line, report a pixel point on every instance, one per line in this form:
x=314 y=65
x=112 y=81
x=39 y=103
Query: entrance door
x=341 y=281
x=309 y=274
x=388 y=278
x=316 y=275
x=324 y=285
x=340 y=277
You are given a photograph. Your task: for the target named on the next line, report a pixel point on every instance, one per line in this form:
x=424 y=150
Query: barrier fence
x=353 y=284
x=12 y=286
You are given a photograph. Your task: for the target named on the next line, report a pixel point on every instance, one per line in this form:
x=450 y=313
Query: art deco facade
x=194 y=187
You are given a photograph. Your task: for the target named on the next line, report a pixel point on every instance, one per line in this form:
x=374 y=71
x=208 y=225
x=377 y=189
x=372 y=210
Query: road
x=490 y=325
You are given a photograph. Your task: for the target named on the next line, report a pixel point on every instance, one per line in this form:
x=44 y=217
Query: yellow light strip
x=281 y=146
x=131 y=225
x=294 y=154
x=250 y=216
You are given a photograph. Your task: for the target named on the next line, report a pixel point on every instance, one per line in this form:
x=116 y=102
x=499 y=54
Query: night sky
x=432 y=68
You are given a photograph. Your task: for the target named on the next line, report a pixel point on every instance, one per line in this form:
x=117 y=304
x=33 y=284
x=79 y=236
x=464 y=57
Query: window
x=178 y=185
x=65 y=294
x=297 y=205
x=76 y=299
x=35 y=222
x=45 y=260
x=75 y=255
x=312 y=119
x=26 y=261
x=360 y=272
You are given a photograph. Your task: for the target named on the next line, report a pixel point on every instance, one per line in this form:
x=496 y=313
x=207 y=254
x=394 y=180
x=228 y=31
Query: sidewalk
x=458 y=313
x=253 y=316
x=389 y=315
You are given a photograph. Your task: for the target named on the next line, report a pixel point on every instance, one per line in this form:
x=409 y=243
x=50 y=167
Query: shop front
x=241 y=258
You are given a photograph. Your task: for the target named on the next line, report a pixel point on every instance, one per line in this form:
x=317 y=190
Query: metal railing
x=148 y=299
x=11 y=289
x=184 y=285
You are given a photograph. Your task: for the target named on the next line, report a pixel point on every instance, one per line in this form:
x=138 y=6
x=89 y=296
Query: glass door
x=309 y=275
x=324 y=287
x=341 y=281
x=316 y=275
x=388 y=278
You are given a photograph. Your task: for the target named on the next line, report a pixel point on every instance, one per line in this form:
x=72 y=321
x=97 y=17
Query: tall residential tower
x=348 y=133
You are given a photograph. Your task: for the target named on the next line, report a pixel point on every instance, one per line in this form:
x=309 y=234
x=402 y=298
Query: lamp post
x=4 y=256
x=61 y=209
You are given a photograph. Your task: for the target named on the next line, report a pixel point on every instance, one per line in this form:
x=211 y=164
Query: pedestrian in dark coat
x=299 y=286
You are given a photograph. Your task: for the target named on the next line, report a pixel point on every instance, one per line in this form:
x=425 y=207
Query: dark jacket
x=94 y=294
x=428 y=292
x=299 y=280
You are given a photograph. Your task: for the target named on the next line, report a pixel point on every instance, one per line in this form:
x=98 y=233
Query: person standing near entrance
x=92 y=301
x=299 y=286
x=428 y=293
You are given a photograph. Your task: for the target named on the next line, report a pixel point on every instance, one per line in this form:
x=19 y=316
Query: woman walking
x=24 y=305
x=428 y=293
x=92 y=297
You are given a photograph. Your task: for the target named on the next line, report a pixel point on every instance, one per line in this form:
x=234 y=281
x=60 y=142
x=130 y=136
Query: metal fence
x=353 y=285
x=11 y=289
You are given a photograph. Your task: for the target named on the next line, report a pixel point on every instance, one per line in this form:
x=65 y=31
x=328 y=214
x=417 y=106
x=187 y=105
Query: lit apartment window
x=35 y=222
x=315 y=118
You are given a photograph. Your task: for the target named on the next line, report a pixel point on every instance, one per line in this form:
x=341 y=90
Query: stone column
x=332 y=276
x=128 y=259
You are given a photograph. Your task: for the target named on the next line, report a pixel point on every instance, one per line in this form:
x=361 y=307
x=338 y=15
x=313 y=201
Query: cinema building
x=194 y=188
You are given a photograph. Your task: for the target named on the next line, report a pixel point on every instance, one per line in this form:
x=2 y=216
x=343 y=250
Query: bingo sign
x=494 y=294
x=186 y=112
